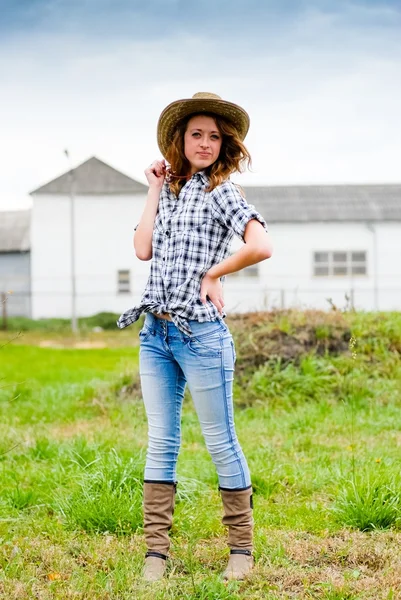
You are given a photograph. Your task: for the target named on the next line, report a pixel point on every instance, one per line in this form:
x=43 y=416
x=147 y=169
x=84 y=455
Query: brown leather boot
x=158 y=508
x=238 y=516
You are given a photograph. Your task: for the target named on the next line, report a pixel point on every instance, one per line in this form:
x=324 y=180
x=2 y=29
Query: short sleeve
x=232 y=210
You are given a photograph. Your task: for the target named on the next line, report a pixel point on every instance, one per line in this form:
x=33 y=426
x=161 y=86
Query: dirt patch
x=287 y=335
x=86 y=428
x=363 y=562
x=50 y=344
x=82 y=345
x=344 y=565
x=86 y=345
x=351 y=549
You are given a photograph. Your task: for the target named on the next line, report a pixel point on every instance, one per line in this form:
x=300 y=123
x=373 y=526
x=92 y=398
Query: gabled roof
x=319 y=203
x=15 y=231
x=93 y=177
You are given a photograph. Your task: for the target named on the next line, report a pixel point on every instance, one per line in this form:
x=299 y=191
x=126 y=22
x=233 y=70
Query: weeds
x=369 y=502
x=21 y=499
x=326 y=480
x=312 y=380
x=107 y=499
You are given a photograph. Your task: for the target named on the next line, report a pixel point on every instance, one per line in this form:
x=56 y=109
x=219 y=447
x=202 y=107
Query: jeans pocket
x=207 y=346
x=144 y=333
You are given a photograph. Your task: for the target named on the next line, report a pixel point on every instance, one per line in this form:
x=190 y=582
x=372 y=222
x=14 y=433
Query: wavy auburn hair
x=233 y=155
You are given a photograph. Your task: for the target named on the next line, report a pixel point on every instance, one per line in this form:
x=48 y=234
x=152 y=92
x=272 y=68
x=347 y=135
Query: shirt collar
x=201 y=175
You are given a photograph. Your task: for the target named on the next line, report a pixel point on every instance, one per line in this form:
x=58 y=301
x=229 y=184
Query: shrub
x=105 y=320
x=21 y=498
x=369 y=502
x=313 y=379
x=108 y=499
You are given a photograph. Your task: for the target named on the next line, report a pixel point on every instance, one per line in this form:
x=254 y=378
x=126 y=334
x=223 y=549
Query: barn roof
x=93 y=177
x=319 y=203
x=14 y=231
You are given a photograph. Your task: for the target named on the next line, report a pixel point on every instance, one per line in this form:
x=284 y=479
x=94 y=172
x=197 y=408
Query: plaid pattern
x=191 y=234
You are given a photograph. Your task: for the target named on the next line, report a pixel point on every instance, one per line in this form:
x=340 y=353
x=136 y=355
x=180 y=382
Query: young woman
x=191 y=215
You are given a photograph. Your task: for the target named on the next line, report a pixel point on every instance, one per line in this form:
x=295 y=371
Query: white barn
x=15 y=263
x=337 y=244
x=330 y=242
x=106 y=205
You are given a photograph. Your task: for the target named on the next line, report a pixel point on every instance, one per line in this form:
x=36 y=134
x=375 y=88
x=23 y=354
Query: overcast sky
x=321 y=81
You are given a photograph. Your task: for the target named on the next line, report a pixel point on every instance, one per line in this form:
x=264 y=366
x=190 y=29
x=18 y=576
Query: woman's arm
x=144 y=232
x=258 y=247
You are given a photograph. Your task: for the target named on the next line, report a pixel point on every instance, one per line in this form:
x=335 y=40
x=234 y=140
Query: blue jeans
x=168 y=360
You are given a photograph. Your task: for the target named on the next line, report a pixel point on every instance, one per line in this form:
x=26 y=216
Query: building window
x=339 y=263
x=123 y=282
x=252 y=271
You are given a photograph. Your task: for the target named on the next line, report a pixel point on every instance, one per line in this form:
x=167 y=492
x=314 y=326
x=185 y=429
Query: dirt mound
x=287 y=335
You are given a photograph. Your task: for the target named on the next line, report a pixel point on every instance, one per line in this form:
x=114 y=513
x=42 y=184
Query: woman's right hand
x=156 y=173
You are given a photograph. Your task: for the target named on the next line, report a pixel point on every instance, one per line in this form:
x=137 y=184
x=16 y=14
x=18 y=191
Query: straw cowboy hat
x=199 y=103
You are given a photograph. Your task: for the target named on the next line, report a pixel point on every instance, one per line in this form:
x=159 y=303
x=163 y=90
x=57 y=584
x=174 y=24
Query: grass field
x=318 y=418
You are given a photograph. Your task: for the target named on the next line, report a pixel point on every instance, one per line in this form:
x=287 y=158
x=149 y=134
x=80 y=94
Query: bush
x=369 y=502
x=108 y=499
x=313 y=379
x=105 y=320
x=25 y=324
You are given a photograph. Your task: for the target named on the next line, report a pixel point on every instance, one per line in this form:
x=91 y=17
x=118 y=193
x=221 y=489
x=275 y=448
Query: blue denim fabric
x=168 y=360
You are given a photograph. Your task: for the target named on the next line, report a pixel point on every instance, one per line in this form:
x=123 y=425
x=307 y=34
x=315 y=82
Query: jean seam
x=164 y=342
x=226 y=413
x=176 y=421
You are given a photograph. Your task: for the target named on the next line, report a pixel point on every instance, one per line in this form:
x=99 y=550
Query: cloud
x=321 y=88
x=160 y=19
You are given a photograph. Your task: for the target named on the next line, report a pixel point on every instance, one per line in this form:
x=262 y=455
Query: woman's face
x=202 y=142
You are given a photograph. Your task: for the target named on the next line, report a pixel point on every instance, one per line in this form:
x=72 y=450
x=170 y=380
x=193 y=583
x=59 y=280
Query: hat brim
x=178 y=110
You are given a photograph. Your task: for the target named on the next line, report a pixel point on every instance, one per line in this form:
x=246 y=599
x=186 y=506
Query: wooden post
x=4 y=310
x=352 y=299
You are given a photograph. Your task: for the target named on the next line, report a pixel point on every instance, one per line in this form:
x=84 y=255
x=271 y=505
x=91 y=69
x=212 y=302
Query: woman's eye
x=196 y=134
x=215 y=137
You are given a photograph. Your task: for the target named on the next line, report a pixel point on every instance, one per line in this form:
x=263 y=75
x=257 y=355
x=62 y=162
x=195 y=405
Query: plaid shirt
x=191 y=234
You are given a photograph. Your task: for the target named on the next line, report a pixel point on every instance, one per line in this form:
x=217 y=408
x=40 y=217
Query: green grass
x=320 y=429
x=108 y=498
x=45 y=385
x=105 y=320
x=370 y=501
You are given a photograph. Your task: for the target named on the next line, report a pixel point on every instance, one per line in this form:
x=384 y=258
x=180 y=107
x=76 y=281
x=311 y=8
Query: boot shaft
x=158 y=508
x=238 y=517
